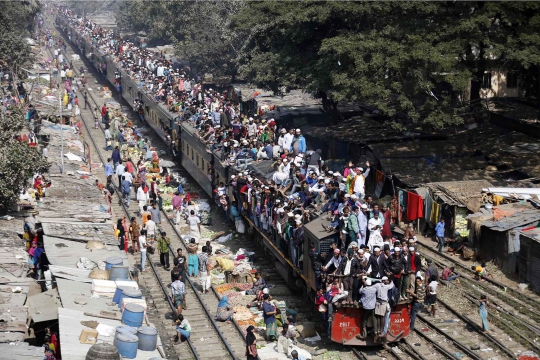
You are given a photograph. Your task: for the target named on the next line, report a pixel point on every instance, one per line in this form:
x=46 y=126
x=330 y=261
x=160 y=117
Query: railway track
x=513 y=327
x=224 y=341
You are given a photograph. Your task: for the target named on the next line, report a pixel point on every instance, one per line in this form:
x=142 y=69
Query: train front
x=347 y=326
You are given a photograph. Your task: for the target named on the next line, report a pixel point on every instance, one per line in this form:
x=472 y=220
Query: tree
x=414 y=61
x=199 y=30
x=16 y=22
x=18 y=160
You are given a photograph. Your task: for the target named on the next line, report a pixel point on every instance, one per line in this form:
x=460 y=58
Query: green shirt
x=163 y=244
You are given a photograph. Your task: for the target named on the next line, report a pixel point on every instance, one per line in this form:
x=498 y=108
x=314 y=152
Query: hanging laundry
x=415 y=206
x=435 y=213
x=379 y=179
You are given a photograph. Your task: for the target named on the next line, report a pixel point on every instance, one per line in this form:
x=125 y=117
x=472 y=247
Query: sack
x=150 y=250
x=240 y=227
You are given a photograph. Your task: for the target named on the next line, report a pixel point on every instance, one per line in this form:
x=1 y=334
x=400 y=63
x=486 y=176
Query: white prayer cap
x=397 y=249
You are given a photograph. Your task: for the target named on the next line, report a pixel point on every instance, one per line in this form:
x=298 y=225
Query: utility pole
x=61 y=125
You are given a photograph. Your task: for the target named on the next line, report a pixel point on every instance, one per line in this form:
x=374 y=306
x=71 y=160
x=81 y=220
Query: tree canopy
x=18 y=160
x=416 y=61
x=16 y=22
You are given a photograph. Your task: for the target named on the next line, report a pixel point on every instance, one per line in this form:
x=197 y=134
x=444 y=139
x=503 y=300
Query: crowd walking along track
x=208 y=339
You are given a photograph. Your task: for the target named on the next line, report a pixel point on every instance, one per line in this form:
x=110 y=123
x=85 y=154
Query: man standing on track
x=163 y=249
x=203 y=269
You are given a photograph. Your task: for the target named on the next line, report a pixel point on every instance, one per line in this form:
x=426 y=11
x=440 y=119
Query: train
x=207 y=170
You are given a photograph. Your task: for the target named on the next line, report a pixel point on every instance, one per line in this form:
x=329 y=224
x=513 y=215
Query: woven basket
x=99 y=274
x=103 y=352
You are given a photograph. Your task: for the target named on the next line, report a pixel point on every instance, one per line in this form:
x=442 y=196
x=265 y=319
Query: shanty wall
x=501 y=247
x=529 y=262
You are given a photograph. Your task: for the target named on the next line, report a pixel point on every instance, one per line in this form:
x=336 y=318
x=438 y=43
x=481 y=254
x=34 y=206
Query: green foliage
x=413 y=60
x=18 y=160
x=16 y=21
x=199 y=29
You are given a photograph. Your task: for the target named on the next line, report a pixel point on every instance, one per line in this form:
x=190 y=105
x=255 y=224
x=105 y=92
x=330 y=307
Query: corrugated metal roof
x=44 y=306
x=70 y=273
x=71 y=327
x=458 y=193
x=513 y=221
x=21 y=350
x=80 y=231
x=73 y=290
x=66 y=252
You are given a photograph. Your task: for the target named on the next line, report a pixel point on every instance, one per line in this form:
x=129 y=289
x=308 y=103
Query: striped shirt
x=420 y=293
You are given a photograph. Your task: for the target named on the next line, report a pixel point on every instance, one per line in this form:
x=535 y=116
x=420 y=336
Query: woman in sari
x=141 y=169
x=269 y=314
x=126 y=233
x=193 y=259
x=251 y=346
x=224 y=310
x=108 y=197
x=258 y=285
x=386 y=230
x=121 y=233
x=38 y=185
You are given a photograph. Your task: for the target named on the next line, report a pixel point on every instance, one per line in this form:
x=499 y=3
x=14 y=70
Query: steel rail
x=173 y=308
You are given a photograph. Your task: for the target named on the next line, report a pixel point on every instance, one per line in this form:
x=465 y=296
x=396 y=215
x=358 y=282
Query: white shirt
x=193 y=222
x=142 y=242
x=372 y=223
x=287 y=141
x=128 y=177
x=150 y=227
x=334 y=260
x=347 y=270
x=107 y=134
x=141 y=195
x=433 y=287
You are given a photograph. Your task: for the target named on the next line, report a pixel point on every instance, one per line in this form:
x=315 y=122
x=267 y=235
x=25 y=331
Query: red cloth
x=386 y=230
x=413 y=266
x=415 y=206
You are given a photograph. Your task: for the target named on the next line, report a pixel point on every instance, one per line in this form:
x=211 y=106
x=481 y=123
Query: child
x=432 y=294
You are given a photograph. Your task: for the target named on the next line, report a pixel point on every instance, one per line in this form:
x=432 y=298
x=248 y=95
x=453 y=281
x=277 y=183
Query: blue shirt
x=268 y=319
x=126 y=186
x=439 y=229
x=108 y=170
x=180 y=189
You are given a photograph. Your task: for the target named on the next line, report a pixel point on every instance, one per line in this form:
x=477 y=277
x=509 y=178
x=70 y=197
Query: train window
x=202 y=164
x=192 y=158
x=324 y=246
x=197 y=156
x=187 y=149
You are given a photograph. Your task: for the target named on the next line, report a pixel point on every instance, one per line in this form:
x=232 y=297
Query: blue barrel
x=147 y=338
x=118 y=273
x=127 y=345
x=118 y=293
x=123 y=329
x=133 y=315
x=129 y=293
x=113 y=261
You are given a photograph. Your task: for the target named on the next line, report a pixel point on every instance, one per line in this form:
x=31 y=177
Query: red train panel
x=347 y=324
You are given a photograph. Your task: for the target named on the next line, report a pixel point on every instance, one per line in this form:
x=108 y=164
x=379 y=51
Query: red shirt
x=103 y=110
x=129 y=167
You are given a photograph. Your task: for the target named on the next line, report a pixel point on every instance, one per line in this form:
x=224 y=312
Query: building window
x=512 y=79
x=486 y=81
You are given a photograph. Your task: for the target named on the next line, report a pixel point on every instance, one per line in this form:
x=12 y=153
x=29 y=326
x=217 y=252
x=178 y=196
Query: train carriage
x=207 y=170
